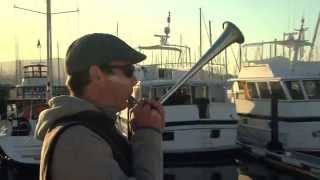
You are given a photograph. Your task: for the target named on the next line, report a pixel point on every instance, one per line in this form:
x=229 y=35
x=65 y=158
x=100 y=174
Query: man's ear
x=95 y=73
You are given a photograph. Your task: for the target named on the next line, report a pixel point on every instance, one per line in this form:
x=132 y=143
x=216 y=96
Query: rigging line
x=234 y=56
x=205 y=26
x=78 y=18
x=28 y=10
x=289 y=15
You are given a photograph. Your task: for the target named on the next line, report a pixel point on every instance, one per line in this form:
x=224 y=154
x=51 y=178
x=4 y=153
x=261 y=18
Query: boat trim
x=200 y=122
x=284 y=119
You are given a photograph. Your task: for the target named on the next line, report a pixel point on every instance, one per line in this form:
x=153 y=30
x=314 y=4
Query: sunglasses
x=128 y=70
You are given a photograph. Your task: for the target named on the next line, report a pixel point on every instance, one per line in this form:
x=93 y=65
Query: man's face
x=117 y=86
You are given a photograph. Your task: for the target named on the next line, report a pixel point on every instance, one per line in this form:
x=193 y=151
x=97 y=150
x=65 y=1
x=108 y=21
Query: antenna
x=300 y=39
x=164 y=38
x=39 y=47
x=117 y=29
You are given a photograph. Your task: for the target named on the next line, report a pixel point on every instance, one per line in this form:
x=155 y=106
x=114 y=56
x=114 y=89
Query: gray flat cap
x=98 y=49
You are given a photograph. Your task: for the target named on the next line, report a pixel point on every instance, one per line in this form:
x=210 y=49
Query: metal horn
x=231 y=34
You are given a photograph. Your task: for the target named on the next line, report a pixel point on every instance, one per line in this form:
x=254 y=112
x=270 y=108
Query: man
x=80 y=140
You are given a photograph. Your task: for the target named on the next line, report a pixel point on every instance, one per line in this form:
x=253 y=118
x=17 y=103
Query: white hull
x=21 y=149
x=185 y=132
x=299 y=124
x=197 y=138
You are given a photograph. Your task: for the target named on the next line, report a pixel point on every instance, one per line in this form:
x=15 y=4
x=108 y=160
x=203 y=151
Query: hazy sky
x=139 y=20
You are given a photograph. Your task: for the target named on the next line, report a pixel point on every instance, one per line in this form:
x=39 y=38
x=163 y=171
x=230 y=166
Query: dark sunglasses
x=128 y=70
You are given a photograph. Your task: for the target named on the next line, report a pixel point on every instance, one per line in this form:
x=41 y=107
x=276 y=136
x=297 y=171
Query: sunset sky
x=139 y=20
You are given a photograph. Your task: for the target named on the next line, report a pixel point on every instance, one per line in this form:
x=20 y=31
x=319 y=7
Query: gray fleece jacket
x=80 y=154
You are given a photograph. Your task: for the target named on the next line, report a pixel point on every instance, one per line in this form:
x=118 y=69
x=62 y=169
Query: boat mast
x=299 y=40
x=210 y=34
x=314 y=38
x=49 y=51
x=58 y=55
x=200 y=47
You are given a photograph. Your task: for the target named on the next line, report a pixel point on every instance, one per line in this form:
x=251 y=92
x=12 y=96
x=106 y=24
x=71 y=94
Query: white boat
x=197 y=117
x=17 y=142
x=295 y=82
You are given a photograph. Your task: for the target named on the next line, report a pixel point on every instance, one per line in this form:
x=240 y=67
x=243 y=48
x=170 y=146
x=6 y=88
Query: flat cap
x=98 y=49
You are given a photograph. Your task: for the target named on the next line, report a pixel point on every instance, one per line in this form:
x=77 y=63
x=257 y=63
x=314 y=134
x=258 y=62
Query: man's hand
x=148 y=114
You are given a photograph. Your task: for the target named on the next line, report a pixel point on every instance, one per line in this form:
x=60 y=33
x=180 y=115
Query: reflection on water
x=224 y=169
x=201 y=173
x=239 y=169
x=255 y=170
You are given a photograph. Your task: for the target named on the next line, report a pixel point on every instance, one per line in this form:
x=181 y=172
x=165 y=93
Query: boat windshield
x=185 y=95
x=277 y=90
x=181 y=97
x=295 y=90
x=312 y=88
x=259 y=90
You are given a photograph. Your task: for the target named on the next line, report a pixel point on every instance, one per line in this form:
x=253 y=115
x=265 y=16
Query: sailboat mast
x=314 y=38
x=300 y=38
x=200 y=48
x=58 y=59
x=210 y=34
x=49 y=51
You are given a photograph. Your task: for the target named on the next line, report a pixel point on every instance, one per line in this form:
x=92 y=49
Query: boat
x=198 y=119
x=18 y=146
x=277 y=97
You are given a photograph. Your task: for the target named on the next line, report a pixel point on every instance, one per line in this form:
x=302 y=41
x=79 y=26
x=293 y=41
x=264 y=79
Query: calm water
x=239 y=170
x=235 y=168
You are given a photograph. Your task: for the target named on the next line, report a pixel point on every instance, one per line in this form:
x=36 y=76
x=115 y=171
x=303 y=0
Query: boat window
x=312 y=88
x=165 y=73
x=200 y=92
x=145 y=92
x=200 y=97
x=181 y=96
x=43 y=72
x=11 y=111
x=141 y=92
x=218 y=93
x=27 y=74
x=252 y=90
x=158 y=92
x=36 y=74
x=19 y=91
x=277 y=91
x=59 y=90
x=240 y=94
x=294 y=90
x=264 y=90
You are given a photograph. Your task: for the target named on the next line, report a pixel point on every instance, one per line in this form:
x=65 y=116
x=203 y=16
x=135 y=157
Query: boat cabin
x=34 y=84
x=286 y=80
x=192 y=92
x=307 y=89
